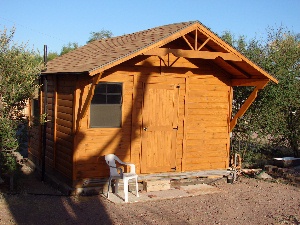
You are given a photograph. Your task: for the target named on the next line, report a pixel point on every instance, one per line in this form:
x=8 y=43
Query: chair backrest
x=111 y=162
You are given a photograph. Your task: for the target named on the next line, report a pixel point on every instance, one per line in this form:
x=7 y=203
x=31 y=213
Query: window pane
x=113 y=99
x=99 y=99
x=114 y=88
x=106 y=116
x=100 y=88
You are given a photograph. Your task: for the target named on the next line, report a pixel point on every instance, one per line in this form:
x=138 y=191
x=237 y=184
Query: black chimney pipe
x=45 y=55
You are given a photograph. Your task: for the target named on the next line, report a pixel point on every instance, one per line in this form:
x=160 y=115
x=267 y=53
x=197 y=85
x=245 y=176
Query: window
x=106 y=105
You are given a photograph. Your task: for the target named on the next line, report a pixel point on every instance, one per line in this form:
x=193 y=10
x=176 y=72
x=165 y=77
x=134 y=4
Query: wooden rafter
x=168 y=64
x=161 y=59
x=174 y=61
x=196 y=41
x=196 y=38
x=193 y=54
x=221 y=61
x=247 y=104
x=186 y=40
x=247 y=82
x=83 y=110
x=204 y=43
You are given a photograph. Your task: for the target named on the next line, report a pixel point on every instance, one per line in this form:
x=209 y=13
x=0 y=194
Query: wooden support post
x=246 y=104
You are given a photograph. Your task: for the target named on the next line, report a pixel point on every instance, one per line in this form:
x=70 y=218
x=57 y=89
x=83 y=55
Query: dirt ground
x=247 y=201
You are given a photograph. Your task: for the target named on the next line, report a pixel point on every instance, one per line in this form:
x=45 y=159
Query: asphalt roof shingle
x=101 y=53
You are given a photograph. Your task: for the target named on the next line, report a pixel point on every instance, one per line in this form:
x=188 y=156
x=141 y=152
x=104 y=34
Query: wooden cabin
x=160 y=98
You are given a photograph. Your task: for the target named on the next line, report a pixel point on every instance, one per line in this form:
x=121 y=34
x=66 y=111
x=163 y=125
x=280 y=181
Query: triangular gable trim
x=139 y=51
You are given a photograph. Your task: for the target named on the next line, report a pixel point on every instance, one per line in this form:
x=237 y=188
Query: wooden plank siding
x=64 y=125
x=51 y=89
x=59 y=130
x=207 y=142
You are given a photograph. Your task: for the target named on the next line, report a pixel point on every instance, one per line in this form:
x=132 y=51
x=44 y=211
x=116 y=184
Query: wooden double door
x=159 y=127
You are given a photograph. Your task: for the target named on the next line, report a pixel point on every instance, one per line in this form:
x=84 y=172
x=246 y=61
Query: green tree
x=275 y=114
x=68 y=48
x=103 y=34
x=279 y=105
x=19 y=71
x=65 y=49
x=51 y=56
x=72 y=46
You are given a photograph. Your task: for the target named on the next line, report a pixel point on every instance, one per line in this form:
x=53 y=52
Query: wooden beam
x=224 y=63
x=204 y=43
x=83 y=110
x=186 y=40
x=246 y=105
x=196 y=39
x=192 y=54
x=157 y=69
x=161 y=59
x=174 y=61
x=248 y=82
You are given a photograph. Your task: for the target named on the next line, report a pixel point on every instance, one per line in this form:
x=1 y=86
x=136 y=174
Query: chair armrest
x=118 y=168
x=132 y=167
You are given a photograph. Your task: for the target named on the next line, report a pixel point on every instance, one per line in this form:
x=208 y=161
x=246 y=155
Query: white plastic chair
x=117 y=173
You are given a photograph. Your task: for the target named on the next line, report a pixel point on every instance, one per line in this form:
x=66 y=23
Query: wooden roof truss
x=194 y=51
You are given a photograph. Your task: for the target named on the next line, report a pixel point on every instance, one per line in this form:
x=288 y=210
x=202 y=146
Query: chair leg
x=109 y=184
x=116 y=186
x=126 y=189
x=136 y=188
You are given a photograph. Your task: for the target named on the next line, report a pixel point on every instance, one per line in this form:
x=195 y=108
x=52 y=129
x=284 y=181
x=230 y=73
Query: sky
x=56 y=23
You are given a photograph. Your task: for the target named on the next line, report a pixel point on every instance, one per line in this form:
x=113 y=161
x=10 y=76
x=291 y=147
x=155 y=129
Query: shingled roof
x=101 y=55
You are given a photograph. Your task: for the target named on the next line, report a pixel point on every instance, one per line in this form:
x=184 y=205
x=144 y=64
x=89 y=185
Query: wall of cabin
x=91 y=144
x=59 y=130
x=75 y=151
x=207 y=123
x=204 y=107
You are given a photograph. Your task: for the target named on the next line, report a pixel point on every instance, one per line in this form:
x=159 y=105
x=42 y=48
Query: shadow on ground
x=35 y=202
